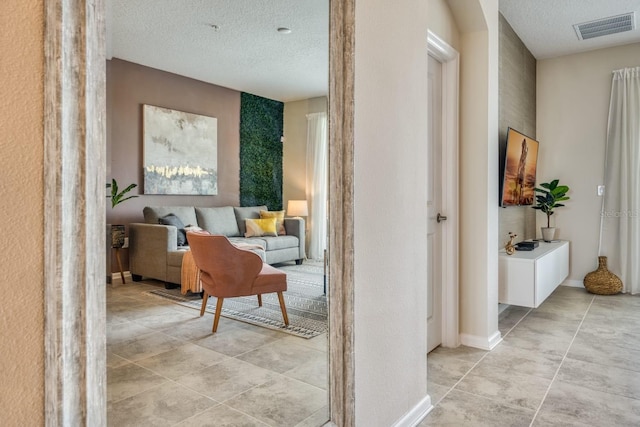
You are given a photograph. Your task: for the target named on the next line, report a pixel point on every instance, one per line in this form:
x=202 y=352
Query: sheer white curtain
x=620 y=224
x=317 y=183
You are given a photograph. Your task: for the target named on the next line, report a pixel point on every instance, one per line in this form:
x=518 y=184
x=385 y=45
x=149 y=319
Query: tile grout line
x=562 y=361
x=216 y=402
x=183 y=341
x=517 y=323
x=224 y=402
x=219 y=402
x=480 y=360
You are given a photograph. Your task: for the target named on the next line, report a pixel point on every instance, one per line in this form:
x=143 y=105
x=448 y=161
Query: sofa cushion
x=187 y=214
x=279 y=216
x=172 y=219
x=220 y=220
x=260 y=227
x=280 y=242
x=243 y=213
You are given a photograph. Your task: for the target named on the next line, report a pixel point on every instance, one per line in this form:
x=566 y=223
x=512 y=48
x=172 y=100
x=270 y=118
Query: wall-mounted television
x=519 y=171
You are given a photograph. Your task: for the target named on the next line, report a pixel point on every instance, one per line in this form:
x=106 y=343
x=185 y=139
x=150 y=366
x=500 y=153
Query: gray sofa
x=154 y=252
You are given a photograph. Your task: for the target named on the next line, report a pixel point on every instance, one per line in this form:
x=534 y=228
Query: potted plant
x=547 y=201
x=117 y=197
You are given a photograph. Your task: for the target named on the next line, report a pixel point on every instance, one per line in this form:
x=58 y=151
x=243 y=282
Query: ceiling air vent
x=605 y=26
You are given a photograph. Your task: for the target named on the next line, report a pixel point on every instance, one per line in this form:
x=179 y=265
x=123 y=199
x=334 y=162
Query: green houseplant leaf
x=550 y=194
x=118 y=197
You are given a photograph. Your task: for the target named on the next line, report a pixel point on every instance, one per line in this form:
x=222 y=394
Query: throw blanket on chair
x=248 y=246
x=190 y=275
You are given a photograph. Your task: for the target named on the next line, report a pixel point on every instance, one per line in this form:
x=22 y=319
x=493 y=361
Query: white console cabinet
x=527 y=278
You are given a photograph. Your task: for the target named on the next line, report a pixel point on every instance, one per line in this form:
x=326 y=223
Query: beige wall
x=476 y=40
x=129 y=86
x=390 y=255
x=390 y=266
x=21 y=186
x=573 y=104
x=294 y=152
x=442 y=23
x=478 y=24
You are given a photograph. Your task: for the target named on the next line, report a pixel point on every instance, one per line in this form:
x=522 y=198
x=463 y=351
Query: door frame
x=450 y=60
x=341 y=231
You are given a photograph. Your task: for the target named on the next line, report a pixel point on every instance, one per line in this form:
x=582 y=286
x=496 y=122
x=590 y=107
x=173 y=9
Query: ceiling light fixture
x=284 y=30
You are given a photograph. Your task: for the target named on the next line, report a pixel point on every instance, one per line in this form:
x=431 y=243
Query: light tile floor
x=573 y=361
x=570 y=362
x=166 y=368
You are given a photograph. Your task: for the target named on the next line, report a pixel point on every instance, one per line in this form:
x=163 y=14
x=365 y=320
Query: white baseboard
x=481 y=342
x=416 y=414
x=573 y=283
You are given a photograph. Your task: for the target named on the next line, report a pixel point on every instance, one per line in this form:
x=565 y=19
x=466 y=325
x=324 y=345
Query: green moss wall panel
x=261 y=129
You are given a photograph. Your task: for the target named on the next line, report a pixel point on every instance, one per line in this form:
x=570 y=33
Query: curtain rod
x=627 y=68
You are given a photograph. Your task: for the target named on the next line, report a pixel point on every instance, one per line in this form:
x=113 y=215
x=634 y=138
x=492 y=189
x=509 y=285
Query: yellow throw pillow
x=260 y=227
x=279 y=216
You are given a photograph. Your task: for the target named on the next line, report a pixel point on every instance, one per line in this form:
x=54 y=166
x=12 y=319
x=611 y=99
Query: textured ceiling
x=546 y=26
x=245 y=53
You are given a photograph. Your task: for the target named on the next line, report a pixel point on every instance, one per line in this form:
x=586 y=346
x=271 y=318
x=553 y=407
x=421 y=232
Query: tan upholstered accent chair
x=227 y=271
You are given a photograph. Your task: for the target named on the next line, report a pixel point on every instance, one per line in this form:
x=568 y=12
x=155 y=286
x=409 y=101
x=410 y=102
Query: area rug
x=305 y=301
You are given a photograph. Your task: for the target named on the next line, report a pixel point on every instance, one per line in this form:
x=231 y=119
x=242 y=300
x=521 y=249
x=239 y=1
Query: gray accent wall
x=517 y=92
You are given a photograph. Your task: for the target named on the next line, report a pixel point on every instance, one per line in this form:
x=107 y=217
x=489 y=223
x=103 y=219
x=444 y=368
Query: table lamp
x=297 y=208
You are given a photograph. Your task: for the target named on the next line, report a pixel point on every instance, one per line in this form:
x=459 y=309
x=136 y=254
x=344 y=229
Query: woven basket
x=602 y=281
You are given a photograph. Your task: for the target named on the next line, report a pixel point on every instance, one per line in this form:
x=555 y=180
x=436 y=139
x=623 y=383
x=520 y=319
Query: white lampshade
x=297 y=208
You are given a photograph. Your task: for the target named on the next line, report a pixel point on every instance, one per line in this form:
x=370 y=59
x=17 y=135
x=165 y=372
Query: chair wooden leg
x=217 y=316
x=120 y=265
x=205 y=297
x=259 y=300
x=283 y=308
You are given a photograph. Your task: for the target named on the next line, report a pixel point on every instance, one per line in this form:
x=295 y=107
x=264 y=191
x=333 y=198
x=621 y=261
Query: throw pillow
x=279 y=216
x=260 y=227
x=172 y=219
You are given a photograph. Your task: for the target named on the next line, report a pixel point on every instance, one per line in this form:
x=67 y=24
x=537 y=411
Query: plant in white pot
x=547 y=201
x=117 y=197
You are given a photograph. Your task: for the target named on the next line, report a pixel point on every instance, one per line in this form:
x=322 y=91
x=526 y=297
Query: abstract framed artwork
x=180 y=154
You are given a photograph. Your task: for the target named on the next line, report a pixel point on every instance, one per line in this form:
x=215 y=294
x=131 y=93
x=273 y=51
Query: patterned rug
x=305 y=301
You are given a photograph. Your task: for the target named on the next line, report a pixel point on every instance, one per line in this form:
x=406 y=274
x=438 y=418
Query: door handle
x=440 y=218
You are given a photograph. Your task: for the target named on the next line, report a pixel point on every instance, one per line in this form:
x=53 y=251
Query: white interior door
x=434 y=205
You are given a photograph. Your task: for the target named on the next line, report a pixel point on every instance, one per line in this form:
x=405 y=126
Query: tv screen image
x=519 y=178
